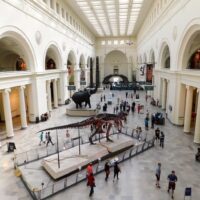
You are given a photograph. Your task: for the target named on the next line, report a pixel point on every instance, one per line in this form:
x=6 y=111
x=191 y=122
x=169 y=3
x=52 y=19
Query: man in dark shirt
x=172 y=182
x=162 y=139
x=157 y=134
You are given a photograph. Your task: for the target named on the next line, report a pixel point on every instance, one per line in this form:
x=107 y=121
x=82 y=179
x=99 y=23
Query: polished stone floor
x=137 y=180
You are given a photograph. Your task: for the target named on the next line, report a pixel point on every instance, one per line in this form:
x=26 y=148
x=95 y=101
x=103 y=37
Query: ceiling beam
x=106 y=14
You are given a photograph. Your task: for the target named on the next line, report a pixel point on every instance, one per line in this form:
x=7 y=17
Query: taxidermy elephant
x=83 y=96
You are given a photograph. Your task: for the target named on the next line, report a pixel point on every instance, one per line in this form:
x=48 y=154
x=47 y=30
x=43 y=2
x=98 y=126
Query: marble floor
x=137 y=179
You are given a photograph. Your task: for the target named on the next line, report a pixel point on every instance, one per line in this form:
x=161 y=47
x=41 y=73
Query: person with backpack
x=116 y=171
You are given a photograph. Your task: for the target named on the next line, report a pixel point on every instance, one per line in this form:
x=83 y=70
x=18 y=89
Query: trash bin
x=11 y=146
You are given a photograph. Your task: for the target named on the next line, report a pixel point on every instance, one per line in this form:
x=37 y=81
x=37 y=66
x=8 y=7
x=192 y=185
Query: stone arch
x=115 y=62
x=82 y=62
x=71 y=63
x=82 y=68
x=164 y=56
x=53 y=57
x=88 y=62
x=16 y=52
x=190 y=48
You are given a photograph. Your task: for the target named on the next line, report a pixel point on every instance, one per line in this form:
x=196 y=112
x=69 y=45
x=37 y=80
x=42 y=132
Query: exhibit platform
x=71 y=110
x=71 y=161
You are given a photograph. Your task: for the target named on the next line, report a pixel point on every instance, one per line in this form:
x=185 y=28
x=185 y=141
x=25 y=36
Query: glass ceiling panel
x=112 y=17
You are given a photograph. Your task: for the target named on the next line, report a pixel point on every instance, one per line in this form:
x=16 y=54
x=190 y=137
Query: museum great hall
x=49 y=49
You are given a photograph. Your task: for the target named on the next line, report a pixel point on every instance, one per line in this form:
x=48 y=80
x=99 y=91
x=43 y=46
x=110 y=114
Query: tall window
x=57 y=8
x=52 y=4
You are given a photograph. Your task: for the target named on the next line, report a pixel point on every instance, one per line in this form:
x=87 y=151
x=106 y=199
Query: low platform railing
x=64 y=183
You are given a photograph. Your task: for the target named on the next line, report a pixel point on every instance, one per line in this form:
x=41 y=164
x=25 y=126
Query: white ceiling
x=112 y=18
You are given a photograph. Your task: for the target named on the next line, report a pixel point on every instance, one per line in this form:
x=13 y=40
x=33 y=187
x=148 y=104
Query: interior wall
x=14 y=102
x=116 y=58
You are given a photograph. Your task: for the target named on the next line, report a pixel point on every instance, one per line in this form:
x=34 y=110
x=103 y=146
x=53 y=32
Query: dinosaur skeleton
x=100 y=120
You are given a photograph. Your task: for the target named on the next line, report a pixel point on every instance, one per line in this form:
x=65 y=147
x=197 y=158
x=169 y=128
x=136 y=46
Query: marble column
x=22 y=107
x=197 y=124
x=55 y=93
x=49 y=95
x=188 y=109
x=164 y=91
x=7 y=113
x=77 y=78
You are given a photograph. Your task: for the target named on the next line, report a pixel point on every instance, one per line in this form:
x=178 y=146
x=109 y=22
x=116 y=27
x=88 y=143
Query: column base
x=24 y=127
x=197 y=141
x=10 y=136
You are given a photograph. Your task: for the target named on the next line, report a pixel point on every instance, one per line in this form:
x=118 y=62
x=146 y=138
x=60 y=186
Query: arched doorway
x=164 y=64
x=165 y=57
x=52 y=59
x=15 y=56
x=82 y=71
x=88 y=72
x=116 y=63
x=52 y=62
x=71 y=61
x=189 y=105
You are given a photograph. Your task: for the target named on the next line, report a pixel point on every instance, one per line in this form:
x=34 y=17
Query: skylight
x=111 y=17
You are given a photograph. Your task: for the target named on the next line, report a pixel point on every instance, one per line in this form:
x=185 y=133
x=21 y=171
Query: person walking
x=104 y=97
x=91 y=183
x=133 y=107
x=49 y=140
x=146 y=122
x=116 y=171
x=89 y=169
x=107 y=170
x=158 y=173
x=152 y=120
x=41 y=138
x=126 y=95
x=157 y=134
x=172 y=182
x=162 y=139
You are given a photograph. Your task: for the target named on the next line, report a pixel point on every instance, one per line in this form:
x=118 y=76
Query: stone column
x=49 y=95
x=164 y=90
x=188 y=109
x=22 y=107
x=77 y=78
x=197 y=124
x=7 y=113
x=55 y=93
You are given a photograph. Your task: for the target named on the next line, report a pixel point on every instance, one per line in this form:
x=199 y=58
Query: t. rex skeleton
x=100 y=120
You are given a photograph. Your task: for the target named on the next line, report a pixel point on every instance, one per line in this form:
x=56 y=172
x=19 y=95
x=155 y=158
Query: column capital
x=7 y=90
x=48 y=81
x=55 y=80
x=22 y=87
x=188 y=87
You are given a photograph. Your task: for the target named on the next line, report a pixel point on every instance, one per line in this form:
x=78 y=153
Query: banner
x=149 y=73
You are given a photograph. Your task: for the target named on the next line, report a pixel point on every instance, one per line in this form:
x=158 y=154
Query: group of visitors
x=45 y=138
x=172 y=178
x=103 y=98
x=160 y=136
x=90 y=174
